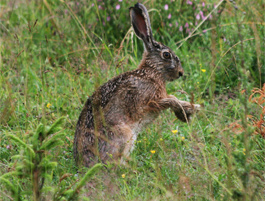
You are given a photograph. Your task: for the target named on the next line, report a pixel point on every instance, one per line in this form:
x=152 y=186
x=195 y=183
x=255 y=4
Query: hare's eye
x=166 y=55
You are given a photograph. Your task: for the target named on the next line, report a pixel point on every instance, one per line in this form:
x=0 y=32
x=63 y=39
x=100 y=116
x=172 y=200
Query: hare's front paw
x=185 y=112
x=197 y=107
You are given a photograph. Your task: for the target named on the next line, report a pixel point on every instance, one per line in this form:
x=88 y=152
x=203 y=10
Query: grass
x=54 y=54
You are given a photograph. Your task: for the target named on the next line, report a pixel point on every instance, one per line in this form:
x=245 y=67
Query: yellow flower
x=48 y=105
x=244 y=150
x=161 y=139
x=123 y=175
x=174 y=131
x=153 y=151
x=203 y=70
x=182 y=138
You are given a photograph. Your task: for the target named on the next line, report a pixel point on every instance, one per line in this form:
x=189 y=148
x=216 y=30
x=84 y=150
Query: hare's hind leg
x=124 y=141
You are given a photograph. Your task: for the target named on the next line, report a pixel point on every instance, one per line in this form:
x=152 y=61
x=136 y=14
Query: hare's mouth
x=177 y=76
x=173 y=78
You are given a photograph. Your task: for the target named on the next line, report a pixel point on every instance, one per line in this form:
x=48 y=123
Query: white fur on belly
x=137 y=127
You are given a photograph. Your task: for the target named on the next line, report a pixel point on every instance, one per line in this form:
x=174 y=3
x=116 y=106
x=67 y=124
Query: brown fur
x=113 y=116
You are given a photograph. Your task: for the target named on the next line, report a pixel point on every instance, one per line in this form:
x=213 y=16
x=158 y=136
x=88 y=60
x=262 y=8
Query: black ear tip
x=139 y=6
x=136 y=6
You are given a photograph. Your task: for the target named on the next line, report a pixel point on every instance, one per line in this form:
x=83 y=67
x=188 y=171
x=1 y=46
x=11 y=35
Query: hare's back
x=126 y=97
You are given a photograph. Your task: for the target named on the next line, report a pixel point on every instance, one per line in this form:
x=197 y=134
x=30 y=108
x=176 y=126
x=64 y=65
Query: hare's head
x=157 y=55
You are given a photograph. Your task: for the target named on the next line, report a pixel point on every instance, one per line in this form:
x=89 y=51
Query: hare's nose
x=180 y=73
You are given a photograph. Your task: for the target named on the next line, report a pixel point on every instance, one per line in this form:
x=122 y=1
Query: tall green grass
x=54 y=54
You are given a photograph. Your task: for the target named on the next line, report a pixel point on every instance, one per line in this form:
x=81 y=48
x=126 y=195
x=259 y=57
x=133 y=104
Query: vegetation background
x=54 y=54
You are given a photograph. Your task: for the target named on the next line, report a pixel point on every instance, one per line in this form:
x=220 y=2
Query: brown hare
x=114 y=115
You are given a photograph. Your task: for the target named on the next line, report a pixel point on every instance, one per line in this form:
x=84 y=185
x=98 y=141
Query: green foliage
x=75 y=192
x=34 y=163
x=54 y=54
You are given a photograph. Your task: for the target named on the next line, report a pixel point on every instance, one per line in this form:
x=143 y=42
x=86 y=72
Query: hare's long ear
x=141 y=25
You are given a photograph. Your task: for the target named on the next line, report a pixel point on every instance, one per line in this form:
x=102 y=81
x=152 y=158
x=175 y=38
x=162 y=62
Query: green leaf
x=20 y=170
x=35 y=138
x=46 y=165
x=9 y=185
x=28 y=164
x=54 y=141
x=56 y=126
x=16 y=139
x=51 y=144
x=16 y=157
x=9 y=174
x=40 y=129
x=90 y=173
x=68 y=192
